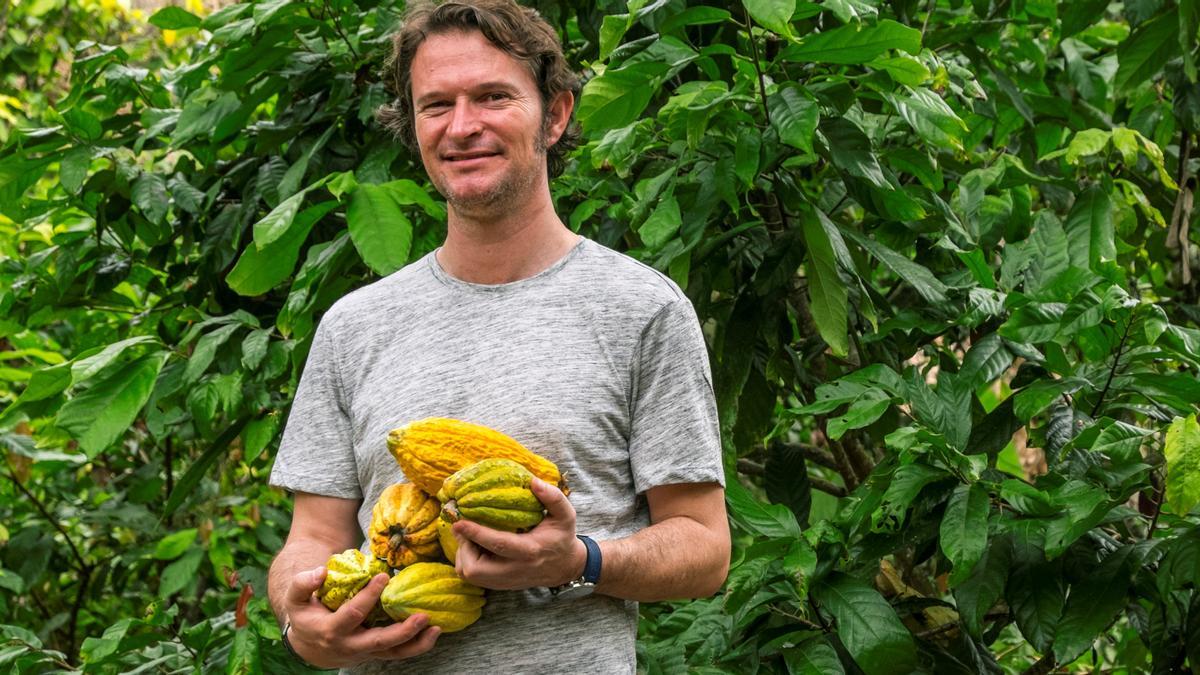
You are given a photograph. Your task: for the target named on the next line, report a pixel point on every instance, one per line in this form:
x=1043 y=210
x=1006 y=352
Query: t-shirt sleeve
x=317 y=451
x=674 y=436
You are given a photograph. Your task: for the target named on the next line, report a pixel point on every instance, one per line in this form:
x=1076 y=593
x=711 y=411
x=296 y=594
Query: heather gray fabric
x=596 y=363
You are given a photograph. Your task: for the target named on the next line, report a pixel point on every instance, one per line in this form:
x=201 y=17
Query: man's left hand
x=549 y=555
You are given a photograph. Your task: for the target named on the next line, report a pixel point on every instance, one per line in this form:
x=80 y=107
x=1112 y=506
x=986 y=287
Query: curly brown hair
x=518 y=31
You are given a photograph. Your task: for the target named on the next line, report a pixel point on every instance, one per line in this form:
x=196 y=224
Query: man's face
x=478 y=120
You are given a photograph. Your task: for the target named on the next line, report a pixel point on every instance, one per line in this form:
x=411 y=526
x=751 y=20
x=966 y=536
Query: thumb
x=304 y=584
x=556 y=503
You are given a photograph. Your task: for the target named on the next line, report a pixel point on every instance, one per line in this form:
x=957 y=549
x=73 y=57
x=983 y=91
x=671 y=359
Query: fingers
x=304 y=584
x=556 y=503
x=424 y=642
x=358 y=608
x=387 y=638
x=503 y=544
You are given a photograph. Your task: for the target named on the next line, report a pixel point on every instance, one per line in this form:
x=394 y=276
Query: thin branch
x=811 y=453
x=762 y=82
x=751 y=468
x=80 y=593
x=1113 y=371
x=337 y=25
x=84 y=566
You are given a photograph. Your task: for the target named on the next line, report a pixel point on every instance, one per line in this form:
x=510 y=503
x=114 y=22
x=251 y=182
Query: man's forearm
x=295 y=557
x=673 y=559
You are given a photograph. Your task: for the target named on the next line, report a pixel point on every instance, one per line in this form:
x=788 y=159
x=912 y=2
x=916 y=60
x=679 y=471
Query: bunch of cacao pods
x=456 y=470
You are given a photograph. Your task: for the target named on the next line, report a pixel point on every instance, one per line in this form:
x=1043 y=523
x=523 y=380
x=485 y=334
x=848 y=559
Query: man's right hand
x=337 y=639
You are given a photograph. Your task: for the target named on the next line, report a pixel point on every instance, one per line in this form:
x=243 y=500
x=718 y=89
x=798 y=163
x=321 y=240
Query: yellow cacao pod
x=433 y=589
x=494 y=493
x=431 y=449
x=404 y=526
x=447 y=540
x=347 y=573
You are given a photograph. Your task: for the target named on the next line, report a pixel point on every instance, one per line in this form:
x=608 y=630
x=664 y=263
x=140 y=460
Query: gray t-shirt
x=596 y=363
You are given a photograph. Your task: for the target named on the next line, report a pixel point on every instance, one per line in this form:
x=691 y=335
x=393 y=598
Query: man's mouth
x=467 y=156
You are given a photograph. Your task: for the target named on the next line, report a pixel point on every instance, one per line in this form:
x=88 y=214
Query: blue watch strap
x=591 y=568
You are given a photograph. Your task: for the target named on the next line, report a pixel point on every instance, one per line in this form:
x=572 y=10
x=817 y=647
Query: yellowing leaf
x=1182 y=450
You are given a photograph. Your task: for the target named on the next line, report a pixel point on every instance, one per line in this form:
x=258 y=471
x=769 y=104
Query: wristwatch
x=586 y=583
x=287 y=644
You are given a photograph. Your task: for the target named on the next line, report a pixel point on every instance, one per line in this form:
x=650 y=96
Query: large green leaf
x=826 y=290
x=867 y=625
x=258 y=271
x=855 y=43
x=775 y=15
x=379 y=228
x=1092 y=216
x=104 y=412
x=931 y=118
x=976 y=596
x=813 y=657
x=1146 y=51
x=922 y=280
x=768 y=520
x=794 y=114
x=964 y=529
x=1182 y=451
x=1093 y=604
x=616 y=98
x=1036 y=593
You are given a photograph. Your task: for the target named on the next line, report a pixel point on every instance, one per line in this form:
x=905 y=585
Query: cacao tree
x=929 y=241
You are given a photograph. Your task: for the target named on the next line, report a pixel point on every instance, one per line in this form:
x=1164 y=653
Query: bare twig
x=811 y=453
x=1113 y=371
x=752 y=468
x=84 y=566
x=762 y=82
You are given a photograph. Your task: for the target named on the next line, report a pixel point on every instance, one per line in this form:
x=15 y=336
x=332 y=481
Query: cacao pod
x=404 y=526
x=447 y=540
x=494 y=493
x=436 y=590
x=431 y=449
x=347 y=573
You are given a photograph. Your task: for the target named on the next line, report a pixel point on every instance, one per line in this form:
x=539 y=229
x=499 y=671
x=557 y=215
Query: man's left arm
x=683 y=553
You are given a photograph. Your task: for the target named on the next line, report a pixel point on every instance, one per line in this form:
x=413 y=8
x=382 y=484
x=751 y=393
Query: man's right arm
x=321 y=527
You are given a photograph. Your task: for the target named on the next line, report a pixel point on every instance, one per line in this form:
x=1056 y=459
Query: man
x=587 y=357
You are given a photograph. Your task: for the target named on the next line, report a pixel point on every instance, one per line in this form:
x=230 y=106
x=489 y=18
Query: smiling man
x=586 y=356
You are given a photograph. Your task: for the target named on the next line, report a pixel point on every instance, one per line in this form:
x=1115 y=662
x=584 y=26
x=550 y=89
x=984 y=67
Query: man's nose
x=464 y=120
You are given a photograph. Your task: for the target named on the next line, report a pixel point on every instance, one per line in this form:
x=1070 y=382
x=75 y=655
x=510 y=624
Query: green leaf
x=813 y=657
x=1033 y=323
x=855 y=43
x=985 y=586
x=612 y=29
x=767 y=520
x=903 y=69
x=746 y=155
x=1087 y=143
x=693 y=16
x=103 y=413
x=775 y=15
x=173 y=545
x=150 y=196
x=277 y=223
x=84 y=369
x=174 y=18
x=380 y=230
x=258 y=271
x=964 y=529
x=918 y=276
x=1094 y=603
x=254 y=348
x=616 y=98
x=257 y=435
x=1182 y=451
x=180 y=573
x=987 y=360
x=851 y=151
x=826 y=290
x=1092 y=214
x=244 y=657
x=73 y=168
x=867 y=625
x=1141 y=55
x=1036 y=594
x=206 y=349
x=794 y=115
x=662 y=224
x=786 y=480
x=931 y=118
x=187 y=484
x=1080 y=14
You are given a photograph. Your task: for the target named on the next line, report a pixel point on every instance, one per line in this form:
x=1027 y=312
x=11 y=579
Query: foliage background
x=921 y=235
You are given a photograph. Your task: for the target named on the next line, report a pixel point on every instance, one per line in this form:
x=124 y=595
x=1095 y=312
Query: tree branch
x=84 y=566
x=751 y=468
x=762 y=82
x=811 y=453
x=1112 y=371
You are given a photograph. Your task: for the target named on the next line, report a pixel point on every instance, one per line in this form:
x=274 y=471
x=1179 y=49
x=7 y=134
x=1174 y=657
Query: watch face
x=575 y=590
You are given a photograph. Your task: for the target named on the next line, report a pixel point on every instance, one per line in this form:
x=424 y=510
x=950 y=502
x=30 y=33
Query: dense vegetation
x=926 y=239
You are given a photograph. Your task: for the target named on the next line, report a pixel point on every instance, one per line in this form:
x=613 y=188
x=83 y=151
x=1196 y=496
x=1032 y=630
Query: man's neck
x=504 y=247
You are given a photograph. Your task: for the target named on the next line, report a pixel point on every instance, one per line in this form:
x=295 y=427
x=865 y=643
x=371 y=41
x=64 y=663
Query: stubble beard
x=504 y=197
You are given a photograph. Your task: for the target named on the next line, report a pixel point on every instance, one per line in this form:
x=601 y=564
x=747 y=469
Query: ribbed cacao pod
x=433 y=589
x=431 y=449
x=347 y=573
x=494 y=493
x=447 y=540
x=404 y=526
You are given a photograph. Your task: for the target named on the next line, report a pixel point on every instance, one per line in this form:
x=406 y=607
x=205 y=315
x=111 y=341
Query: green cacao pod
x=347 y=573
x=436 y=590
x=446 y=538
x=492 y=492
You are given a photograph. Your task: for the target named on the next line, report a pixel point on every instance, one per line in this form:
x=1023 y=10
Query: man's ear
x=560 y=114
